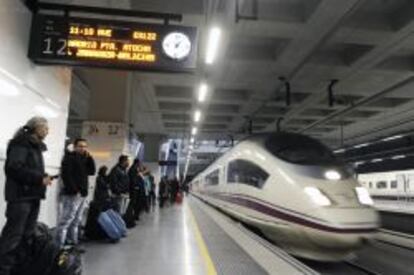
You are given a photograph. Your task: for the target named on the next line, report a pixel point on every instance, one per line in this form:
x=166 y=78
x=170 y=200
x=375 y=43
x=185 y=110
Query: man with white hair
x=26 y=182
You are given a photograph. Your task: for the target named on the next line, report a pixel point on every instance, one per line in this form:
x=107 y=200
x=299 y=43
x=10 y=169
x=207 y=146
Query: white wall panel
x=27 y=90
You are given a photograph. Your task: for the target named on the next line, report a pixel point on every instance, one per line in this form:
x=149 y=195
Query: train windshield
x=300 y=149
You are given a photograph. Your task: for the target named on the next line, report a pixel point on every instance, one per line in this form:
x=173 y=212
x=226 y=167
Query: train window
x=381 y=185
x=246 y=172
x=212 y=178
x=393 y=184
x=300 y=149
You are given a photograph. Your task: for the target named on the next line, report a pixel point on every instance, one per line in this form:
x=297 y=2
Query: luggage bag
x=68 y=262
x=111 y=229
x=117 y=219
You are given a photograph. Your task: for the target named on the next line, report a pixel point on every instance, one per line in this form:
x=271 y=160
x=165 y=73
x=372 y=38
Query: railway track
x=377 y=258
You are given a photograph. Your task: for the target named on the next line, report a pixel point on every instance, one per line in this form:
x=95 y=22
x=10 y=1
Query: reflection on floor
x=162 y=243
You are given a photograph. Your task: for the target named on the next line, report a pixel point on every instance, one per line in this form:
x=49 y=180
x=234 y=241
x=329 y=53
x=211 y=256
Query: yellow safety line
x=211 y=270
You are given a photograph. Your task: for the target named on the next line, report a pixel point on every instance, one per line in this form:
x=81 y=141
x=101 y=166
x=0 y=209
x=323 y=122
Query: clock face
x=176 y=45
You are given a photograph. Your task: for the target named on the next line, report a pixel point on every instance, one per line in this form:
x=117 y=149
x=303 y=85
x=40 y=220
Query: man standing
x=119 y=181
x=26 y=183
x=77 y=166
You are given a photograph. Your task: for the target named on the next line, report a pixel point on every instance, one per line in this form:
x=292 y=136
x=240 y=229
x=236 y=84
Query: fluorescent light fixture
x=359 y=163
x=202 y=92
x=339 y=151
x=332 y=175
x=46 y=111
x=363 y=196
x=191 y=147
x=213 y=44
x=194 y=131
x=192 y=140
x=392 y=138
x=361 y=145
x=317 y=196
x=399 y=157
x=197 y=116
x=376 y=160
x=8 y=89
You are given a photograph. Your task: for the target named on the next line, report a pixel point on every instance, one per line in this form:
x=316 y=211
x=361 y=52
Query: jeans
x=21 y=222
x=122 y=203
x=70 y=219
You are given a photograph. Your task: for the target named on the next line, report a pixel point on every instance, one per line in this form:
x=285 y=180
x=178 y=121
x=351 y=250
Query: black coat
x=102 y=189
x=119 y=180
x=136 y=182
x=76 y=169
x=25 y=169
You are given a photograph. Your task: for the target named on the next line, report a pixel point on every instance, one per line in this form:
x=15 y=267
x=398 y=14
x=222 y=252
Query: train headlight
x=332 y=175
x=363 y=196
x=317 y=196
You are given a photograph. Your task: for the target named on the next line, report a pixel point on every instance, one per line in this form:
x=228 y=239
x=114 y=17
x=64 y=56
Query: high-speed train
x=391 y=185
x=293 y=189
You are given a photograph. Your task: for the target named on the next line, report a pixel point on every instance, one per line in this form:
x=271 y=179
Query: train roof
x=279 y=137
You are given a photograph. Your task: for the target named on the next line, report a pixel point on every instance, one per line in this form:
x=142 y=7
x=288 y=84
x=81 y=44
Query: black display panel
x=112 y=44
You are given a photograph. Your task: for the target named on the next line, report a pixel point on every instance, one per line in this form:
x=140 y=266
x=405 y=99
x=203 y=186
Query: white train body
x=293 y=204
x=392 y=185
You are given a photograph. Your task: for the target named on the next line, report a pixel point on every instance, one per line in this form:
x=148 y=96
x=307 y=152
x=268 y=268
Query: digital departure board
x=112 y=44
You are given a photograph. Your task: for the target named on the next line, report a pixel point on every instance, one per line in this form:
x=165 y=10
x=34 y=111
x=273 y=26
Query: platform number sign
x=112 y=44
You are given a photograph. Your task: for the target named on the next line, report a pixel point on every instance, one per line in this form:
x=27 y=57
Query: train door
x=410 y=187
x=401 y=187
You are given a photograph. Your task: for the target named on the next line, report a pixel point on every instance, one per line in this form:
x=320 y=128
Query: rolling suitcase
x=109 y=226
x=118 y=221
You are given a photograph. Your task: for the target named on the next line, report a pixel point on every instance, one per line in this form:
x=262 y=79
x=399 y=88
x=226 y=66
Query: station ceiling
x=367 y=45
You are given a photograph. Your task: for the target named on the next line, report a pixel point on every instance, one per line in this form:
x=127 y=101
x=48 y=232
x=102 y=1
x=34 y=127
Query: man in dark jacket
x=119 y=181
x=77 y=166
x=26 y=183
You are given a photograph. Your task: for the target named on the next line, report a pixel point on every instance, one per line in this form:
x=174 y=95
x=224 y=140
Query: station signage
x=112 y=44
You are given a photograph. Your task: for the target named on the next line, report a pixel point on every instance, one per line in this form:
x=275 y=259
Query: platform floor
x=399 y=206
x=180 y=240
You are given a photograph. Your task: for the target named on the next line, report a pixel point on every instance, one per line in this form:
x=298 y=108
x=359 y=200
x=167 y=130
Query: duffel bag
x=36 y=254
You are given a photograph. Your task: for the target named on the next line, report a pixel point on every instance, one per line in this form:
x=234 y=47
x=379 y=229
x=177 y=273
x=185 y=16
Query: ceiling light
x=339 y=151
x=192 y=140
x=197 y=116
x=46 y=111
x=194 y=131
x=202 y=92
x=8 y=89
x=213 y=44
x=376 y=160
x=361 y=145
x=392 y=138
x=399 y=157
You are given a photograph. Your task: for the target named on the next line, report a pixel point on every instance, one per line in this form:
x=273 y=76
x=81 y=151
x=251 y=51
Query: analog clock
x=176 y=45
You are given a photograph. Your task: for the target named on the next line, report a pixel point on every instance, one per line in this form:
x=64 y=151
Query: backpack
x=36 y=254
